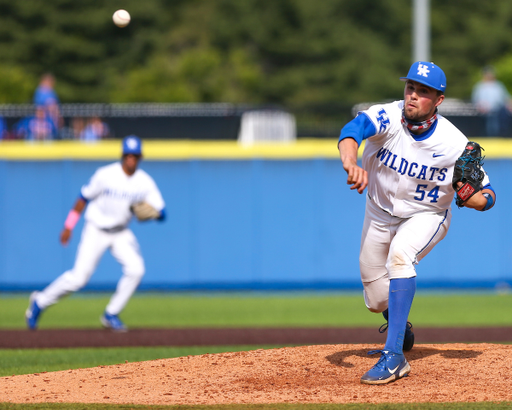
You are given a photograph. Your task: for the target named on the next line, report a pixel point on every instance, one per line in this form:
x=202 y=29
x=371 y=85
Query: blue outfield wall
x=238 y=224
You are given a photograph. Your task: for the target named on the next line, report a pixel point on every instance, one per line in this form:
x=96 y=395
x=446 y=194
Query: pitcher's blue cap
x=132 y=145
x=428 y=74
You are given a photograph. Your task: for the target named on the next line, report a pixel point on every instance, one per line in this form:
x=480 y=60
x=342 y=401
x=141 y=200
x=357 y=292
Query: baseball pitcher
x=114 y=194
x=414 y=162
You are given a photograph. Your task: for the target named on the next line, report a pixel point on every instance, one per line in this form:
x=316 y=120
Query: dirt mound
x=307 y=374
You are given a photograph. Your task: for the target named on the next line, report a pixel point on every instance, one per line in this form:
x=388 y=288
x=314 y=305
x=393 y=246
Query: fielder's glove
x=468 y=170
x=143 y=211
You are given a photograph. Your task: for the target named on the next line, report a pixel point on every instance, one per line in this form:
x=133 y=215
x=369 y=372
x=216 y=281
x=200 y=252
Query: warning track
x=67 y=338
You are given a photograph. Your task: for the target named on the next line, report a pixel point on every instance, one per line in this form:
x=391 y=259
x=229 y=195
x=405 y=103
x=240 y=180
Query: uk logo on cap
x=132 y=145
x=423 y=70
x=428 y=74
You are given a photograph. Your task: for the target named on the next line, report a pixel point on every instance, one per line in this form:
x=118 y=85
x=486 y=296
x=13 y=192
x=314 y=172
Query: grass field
x=261 y=309
x=231 y=310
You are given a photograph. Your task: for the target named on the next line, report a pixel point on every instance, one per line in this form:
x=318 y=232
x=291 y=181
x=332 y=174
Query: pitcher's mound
x=324 y=373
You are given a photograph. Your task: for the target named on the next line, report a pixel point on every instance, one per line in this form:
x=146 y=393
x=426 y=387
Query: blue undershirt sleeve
x=488 y=186
x=162 y=215
x=490 y=201
x=359 y=129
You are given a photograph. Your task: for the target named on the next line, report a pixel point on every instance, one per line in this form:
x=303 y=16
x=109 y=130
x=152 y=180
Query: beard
x=414 y=115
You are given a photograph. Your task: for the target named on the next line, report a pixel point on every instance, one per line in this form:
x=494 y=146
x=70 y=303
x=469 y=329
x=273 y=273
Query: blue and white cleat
x=113 y=322
x=390 y=367
x=33 y=312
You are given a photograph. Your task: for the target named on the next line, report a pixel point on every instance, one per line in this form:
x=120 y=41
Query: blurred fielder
x=414 y=161
x=114 y=194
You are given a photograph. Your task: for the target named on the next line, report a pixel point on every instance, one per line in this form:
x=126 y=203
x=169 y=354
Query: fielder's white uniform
x=408 y=207
x=109 y=194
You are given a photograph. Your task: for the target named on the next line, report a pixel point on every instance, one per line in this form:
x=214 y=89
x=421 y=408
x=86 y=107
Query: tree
x=299 y=53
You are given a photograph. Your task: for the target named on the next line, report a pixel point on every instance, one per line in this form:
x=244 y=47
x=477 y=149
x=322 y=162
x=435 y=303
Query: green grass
x=260 y=310
x=27 y=361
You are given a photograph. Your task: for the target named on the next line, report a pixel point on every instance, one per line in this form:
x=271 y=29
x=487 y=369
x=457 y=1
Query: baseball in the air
x=121 y=18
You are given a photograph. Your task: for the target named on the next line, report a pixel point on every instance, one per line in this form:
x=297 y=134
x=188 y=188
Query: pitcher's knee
x=376 y=294
x=376 y=302
x=378 y=307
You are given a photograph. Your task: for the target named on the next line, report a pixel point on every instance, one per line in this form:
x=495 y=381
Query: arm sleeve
x=162 y=216
x=92 y=189
x=488 y=186
x=154 y=197
x=359 y=129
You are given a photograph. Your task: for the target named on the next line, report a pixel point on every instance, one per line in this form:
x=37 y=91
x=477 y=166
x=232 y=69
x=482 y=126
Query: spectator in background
x=94 y=130
x=40 y=127
x=20 y=128
x=492 y=99
x=77 y=126
x=3 y=129
x=45 y=97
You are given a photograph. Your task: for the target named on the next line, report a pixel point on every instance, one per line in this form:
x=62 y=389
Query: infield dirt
x=306 y=374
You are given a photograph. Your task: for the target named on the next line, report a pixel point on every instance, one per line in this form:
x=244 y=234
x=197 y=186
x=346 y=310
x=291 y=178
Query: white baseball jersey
x=111 y=192
x=410 y=174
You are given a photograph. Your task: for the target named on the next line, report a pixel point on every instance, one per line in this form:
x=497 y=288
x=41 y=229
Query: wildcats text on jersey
x=131 y=196
x=412 y=169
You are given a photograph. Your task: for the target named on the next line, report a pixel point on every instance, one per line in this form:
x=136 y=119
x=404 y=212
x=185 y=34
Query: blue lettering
x=434 y=170
x=442 y=174
x=132 y=196
x=423 y=172
x=410 y=169
x=383 y=120
x=382 y=153
x=403 y=164
x=387 y=159
x=393 y=163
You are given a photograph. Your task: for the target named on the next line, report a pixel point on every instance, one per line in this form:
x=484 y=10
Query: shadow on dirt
x=339 y=359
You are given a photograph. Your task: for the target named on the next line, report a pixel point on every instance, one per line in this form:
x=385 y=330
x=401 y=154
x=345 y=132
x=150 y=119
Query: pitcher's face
x=420 y=101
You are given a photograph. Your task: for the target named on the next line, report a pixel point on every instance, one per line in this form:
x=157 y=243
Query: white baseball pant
x=391 y=246
x=94 y=242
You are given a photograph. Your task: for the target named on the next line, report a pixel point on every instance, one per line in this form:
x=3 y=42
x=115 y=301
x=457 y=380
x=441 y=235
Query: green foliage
x=77 y=41
x=299 y=53
x=503 y=69
x=466 y=36
x=196 y=75
x=16 y=85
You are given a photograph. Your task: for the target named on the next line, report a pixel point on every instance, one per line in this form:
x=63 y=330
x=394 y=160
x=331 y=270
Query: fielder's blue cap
x=428 y=74
x=132 y=145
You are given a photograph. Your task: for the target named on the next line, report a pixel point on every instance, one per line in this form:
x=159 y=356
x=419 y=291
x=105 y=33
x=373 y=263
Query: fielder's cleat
x=408 y=337
x=390 y=367
x=33 y=312
x=113 y=322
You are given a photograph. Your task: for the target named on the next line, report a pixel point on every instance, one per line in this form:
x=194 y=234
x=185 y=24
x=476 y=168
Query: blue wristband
x=490 y=201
